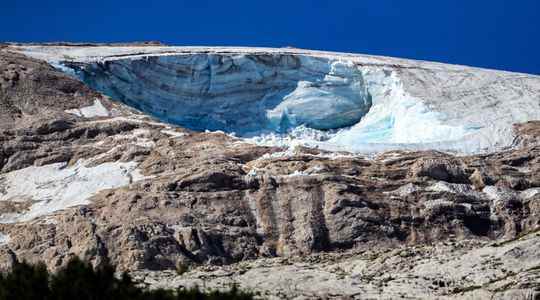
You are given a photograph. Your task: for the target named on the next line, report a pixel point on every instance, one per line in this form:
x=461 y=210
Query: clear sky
x=499 y=34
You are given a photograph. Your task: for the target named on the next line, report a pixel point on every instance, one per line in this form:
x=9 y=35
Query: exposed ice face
x=339 y=99
x=237 y=93
x=275 y=99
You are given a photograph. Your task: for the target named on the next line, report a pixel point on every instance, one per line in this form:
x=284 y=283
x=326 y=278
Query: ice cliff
x=328 y=100
x=236 y=93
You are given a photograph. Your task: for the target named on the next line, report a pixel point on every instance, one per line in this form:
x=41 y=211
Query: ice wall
x=279 y=99
x=245 y=94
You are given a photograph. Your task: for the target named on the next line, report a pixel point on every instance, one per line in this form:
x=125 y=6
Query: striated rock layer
x=81 y=175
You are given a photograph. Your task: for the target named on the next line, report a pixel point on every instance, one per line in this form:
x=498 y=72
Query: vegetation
x=80 y=281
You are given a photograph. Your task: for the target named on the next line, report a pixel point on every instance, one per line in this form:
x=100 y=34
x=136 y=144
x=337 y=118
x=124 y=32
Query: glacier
x=289 y=97
x=237 y=93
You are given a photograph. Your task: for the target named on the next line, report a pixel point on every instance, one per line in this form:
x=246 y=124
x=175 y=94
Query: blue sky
x=500 y=34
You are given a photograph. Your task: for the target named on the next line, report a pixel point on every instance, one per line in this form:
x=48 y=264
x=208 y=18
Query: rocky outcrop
x=31 y=90
x=208 y=203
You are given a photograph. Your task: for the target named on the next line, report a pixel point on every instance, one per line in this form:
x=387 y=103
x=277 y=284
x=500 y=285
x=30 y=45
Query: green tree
x=25 y=282
x=78 y=280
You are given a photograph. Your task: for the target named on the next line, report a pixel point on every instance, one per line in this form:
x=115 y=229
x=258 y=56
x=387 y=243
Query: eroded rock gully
x=208 y=199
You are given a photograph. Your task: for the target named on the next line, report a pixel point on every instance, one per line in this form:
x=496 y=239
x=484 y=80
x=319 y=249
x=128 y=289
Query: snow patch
x=58 y=186
x=499 y=194
x=95 y=110
x=173 y=134
x=4 y=239
x=454 y=188
x=531 y=193
x=405 y=190
x=298 y=173
x=139 y=137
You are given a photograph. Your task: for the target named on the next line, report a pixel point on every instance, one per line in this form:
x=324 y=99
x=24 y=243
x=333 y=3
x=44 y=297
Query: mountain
x=295 y=173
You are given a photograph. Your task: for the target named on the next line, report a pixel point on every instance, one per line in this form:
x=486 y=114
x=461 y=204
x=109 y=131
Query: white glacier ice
x=289 y=97
x=338 y=99
x=397 y=118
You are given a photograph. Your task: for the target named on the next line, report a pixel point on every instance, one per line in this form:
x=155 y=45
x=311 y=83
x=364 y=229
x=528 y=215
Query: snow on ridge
x=173 y=133
x=86 y=54
x=57 y=54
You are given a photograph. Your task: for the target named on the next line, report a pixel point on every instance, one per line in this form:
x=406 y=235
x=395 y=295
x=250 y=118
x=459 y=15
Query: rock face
x=392 y=224
x=31 y=90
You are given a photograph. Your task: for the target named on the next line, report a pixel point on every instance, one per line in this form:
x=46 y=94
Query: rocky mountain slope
x=84 y=174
